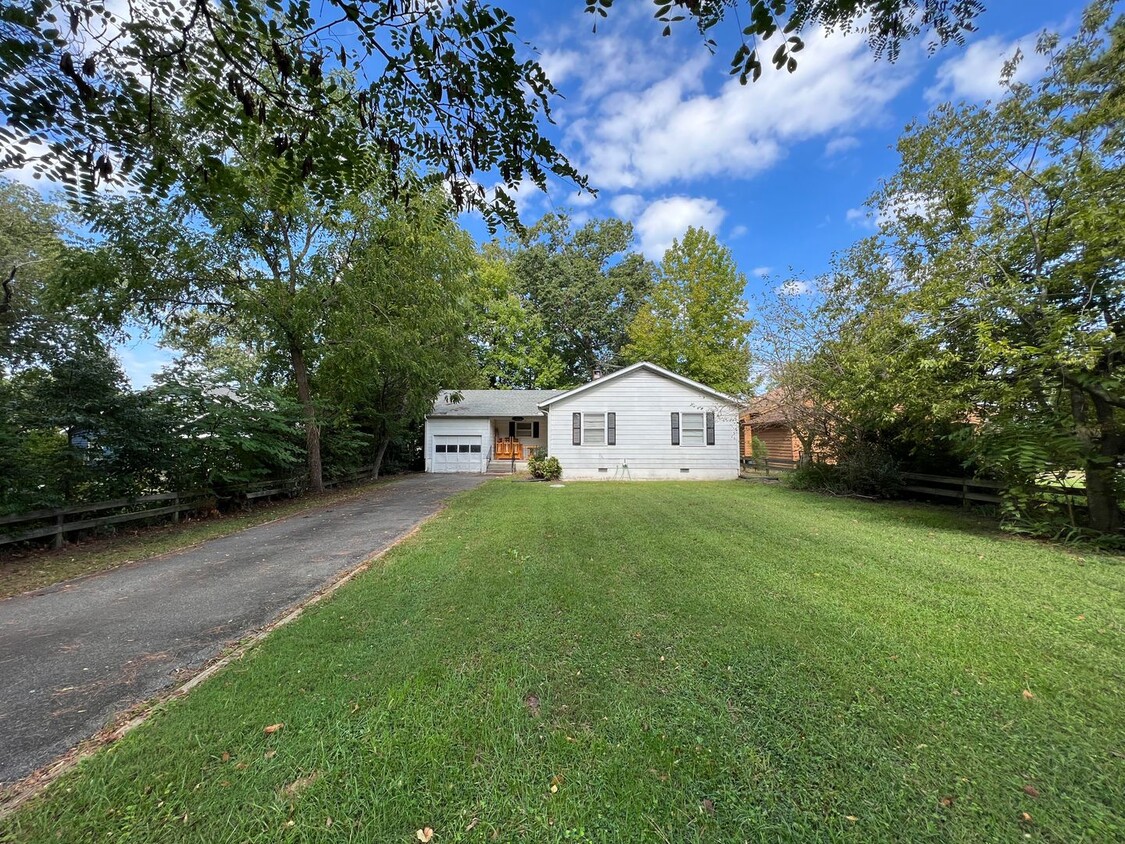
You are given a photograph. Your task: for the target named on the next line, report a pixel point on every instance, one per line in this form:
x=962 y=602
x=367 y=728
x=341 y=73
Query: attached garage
x=456 y=453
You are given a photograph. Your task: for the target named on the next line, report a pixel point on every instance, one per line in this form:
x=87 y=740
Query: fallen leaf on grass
x=708 y=806
x=1031 y=791
x=1028 y=694
x=947 y=801
x=532 y=701
x=270 y=754
x=328 y=822
x=1025 y=817
x=225 y=757
x=272 y=728
x=424 y=835
x=472 y=824
x=851 y=818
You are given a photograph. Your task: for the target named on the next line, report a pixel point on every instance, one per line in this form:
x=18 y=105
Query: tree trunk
x=312 y=427
x=1101 y=496
x=379 y=456
x=1102 y=493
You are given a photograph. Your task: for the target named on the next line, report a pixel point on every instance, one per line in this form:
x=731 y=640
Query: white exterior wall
x=457 y=427
x=644 y=403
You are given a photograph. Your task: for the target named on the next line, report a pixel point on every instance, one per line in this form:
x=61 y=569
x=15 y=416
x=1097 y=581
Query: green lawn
x=653 y=662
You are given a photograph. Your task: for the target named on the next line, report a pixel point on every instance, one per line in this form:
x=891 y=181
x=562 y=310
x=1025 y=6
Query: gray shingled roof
x=477 y=403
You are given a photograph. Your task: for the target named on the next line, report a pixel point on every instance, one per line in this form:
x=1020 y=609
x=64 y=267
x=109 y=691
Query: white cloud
x=858 y=216
x=836 y=146
x=627 y=205
x=975 y=73
x=667 y=219
x=632 y=134
x=737 y=232
x=761 y=272
x=793 y=287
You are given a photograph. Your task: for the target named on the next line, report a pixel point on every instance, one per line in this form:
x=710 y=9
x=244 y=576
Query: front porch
x=513 y=438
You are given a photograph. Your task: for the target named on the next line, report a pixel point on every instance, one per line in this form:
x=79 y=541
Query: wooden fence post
x=59 y=530
x=176 y=512
x=965 y=493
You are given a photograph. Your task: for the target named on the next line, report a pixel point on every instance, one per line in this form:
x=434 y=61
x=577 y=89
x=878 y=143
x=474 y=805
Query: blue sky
x=779 y=170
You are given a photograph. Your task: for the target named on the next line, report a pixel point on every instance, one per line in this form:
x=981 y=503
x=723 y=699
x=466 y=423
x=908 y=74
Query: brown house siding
x=779 y=442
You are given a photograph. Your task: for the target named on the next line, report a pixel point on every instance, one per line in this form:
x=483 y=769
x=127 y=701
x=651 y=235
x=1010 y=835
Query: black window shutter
x=611 y=429
x=710 y=427
x=511 y=429
x=576 y=428
x=535 y=430
x=675 y=429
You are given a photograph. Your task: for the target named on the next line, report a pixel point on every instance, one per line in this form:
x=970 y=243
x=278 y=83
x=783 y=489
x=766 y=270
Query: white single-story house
x=641 y=422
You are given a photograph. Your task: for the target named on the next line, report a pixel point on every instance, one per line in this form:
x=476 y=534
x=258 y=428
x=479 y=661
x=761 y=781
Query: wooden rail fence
x=968 y=490
x=56 y=522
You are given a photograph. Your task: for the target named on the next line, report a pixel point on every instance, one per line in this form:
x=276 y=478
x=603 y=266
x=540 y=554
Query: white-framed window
x=525 y=429
x=593 y=429
x=693 y=429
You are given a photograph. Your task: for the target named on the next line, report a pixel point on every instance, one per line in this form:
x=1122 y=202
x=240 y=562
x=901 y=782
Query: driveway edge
x=16 y=795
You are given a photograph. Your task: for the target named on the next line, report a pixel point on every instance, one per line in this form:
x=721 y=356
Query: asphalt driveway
x=74 y=655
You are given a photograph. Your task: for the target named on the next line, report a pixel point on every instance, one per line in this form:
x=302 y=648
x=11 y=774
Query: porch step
x=506 y=467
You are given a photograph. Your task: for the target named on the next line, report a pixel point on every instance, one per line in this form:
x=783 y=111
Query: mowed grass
x=653 y=662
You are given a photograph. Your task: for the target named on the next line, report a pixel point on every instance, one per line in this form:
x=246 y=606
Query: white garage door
x=457 y=454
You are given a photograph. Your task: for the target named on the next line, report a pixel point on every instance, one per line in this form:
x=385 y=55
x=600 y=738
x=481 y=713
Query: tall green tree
x=694 y=320
x=995 y=294
x=585 y=285
x=510 y=337
x=398 y=327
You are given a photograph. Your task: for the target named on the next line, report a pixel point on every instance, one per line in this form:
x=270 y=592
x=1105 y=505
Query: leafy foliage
x=693 y=322
x=345 y=92
x=887 y=25
x=543 y=467
x=988 y=312
x=584 y=287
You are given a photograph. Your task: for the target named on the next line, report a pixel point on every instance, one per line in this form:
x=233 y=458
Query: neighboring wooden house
x=767 y=418
x=642 y=422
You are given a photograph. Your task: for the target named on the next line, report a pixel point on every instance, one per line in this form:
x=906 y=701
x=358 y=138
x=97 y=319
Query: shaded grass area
x=653 y=662
x=34 y=568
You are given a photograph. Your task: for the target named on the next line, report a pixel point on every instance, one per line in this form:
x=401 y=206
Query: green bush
x=552 y=471
x=862 y=469
x=543 y=467
x=760 y=453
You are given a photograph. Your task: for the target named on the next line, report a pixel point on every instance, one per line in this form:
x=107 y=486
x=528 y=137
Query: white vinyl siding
x=593 y=429
x=644 y=402
x=470 y=438
x=692 y=430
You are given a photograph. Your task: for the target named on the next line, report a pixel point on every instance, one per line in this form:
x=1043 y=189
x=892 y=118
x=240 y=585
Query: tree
x=510 y=337
x=36 y=324
x=250 y=264
x=694 y=320
x=158 y=93
x=397 y=331
x=585 y=285
x=888 y=25
x=995 y=293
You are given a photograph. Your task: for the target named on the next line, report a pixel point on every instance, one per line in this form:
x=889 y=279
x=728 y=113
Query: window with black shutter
x=710 y=427
x=576 y=429
x=675 y=429
x=611 y=429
